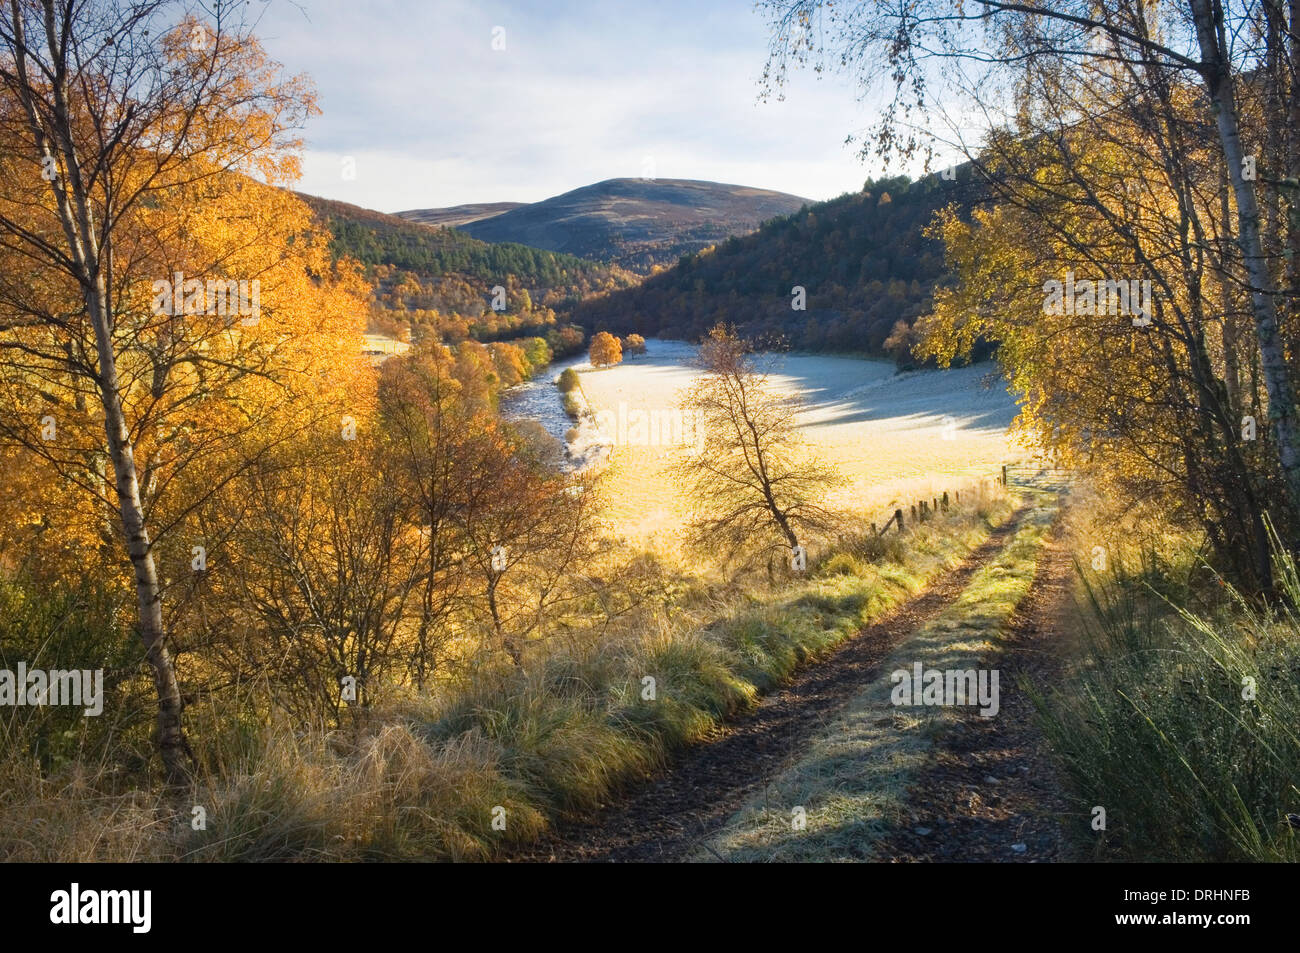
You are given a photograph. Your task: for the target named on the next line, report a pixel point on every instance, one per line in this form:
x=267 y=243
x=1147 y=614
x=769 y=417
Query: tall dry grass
x=468 y=771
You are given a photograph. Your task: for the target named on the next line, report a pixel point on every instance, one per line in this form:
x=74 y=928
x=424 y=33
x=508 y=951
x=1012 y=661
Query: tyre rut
x=993 y=792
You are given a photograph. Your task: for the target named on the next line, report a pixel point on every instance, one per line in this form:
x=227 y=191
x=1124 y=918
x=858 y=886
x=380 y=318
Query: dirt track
x=668 y=816
x=991 y=793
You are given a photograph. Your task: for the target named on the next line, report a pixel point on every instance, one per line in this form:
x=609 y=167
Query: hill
x=635 y=223
x=457 y=214
x=862 y=259
x=440 y=280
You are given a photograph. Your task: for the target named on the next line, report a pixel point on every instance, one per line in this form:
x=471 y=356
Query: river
x=540 y=399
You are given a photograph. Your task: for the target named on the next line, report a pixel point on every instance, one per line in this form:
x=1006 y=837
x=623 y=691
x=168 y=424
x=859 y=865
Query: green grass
x=1157 y=726
x=852 y=781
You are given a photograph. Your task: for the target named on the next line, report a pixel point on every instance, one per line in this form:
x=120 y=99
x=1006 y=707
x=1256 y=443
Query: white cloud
x=582 y=92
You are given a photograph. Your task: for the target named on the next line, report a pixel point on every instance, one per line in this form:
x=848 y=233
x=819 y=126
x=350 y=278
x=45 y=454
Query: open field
x=895 y=437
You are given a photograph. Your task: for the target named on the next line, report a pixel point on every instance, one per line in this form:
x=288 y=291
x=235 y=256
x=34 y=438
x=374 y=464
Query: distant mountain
x=635 y=223
x=457 y=214
x=863 y=260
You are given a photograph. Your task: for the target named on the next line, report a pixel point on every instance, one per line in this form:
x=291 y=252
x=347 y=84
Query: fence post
x=898 y=515
x=913 y=512
x=1004 y=474
x=945 y=500
x=874 y=531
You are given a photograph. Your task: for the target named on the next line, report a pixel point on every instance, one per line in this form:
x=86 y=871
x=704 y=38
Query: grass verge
x=1182 y=724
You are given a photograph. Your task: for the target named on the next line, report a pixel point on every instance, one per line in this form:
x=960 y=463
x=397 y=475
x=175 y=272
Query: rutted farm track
x=992 y=792
x=672 y=815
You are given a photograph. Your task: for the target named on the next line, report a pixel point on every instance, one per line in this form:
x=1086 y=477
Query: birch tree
x=989 y=78
x=114 y=113
x=755 y=487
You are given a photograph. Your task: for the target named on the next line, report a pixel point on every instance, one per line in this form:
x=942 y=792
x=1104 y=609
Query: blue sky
x=413 y=92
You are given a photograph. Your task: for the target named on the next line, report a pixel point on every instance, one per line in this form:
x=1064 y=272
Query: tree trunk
x=88 y=260
x=1292 y=136
x=1215 y=71
x=169 y=736
x=508 y=643
x=422 y=666
x=1228 y=320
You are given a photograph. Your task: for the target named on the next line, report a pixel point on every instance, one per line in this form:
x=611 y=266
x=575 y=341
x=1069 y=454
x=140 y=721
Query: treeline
x=867 y=268
x=522 y=359
x=447 y=311
x=441 y=283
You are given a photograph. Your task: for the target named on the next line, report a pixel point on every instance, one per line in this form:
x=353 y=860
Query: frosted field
x=896 y=438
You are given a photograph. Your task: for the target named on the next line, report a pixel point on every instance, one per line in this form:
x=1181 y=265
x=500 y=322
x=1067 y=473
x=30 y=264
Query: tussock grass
x=424 y=778
x=75 y=815
x=1157 y=726
x=390 y=794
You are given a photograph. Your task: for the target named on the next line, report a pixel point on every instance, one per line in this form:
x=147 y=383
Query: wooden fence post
x=945 y=501
x=1004 y=474
x=898 y=515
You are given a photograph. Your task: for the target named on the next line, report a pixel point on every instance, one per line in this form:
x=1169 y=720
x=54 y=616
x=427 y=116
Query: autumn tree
x=754 y=486
x=901 y=343
x=1131 y=147
x=321 y=574
x=605 y=350
x=429 y=422
x=124 y=126
x=529 y=535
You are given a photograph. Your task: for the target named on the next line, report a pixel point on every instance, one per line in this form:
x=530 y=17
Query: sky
x=430 y=115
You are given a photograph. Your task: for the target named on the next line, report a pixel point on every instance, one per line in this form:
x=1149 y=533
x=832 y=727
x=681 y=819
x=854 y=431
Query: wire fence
x=923 y=510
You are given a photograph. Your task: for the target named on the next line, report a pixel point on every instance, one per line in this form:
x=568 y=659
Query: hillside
x=457 y=214
x=440 y=280
x=635 y=223
x=862 y=258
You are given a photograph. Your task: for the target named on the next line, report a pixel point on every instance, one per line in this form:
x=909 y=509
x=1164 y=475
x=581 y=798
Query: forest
x=438 y=282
